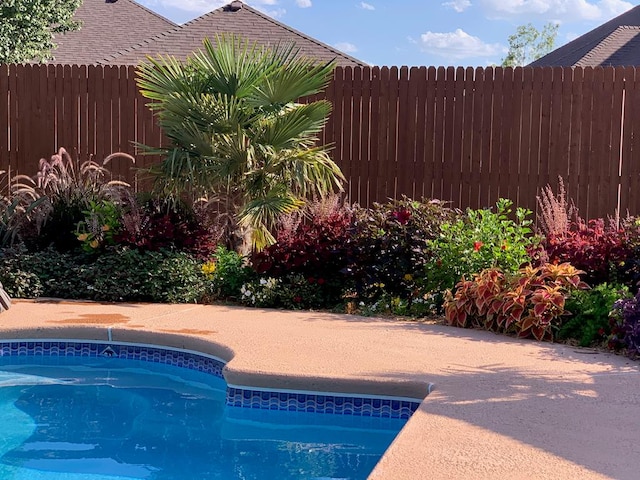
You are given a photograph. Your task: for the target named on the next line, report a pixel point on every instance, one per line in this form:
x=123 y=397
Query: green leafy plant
x=238 y=134
x=478 y=240
x=261 y=292
x=529 y=303
x=589 y=322
x=101 y=223
x=117 y=274
x=227 y=272
x=27 y=28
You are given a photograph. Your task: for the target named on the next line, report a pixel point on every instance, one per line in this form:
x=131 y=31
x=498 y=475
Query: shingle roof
x=615 y=42
x=241 y=20
x=107 y=27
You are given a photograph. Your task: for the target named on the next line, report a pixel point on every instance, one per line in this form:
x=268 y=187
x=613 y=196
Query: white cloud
x=346 y=47
x=303 y=3
x=458 y=5
x=366 y=6
x=563 y=10
x=457 y=45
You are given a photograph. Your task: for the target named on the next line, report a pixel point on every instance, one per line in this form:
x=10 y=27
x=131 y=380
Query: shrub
x=261 y=292
x=625 y=325
x=114 y=275
x=157 y=224
x=315 y=248
x=481 y=239
x=589 y=321
x=597 y=249
x=389 y=247
x=227 y=273
x=17 y=282
x=529 y=303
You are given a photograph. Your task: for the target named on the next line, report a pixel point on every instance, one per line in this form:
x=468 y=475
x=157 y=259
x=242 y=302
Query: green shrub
x=479 y=240
x=228 y=272
x=17 y=282
x=123 y=275
x=589 y=322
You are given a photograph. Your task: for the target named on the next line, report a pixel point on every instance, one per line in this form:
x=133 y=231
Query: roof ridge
x=297 y=32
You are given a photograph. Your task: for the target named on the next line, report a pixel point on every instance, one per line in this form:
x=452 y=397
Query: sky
x=418 y=32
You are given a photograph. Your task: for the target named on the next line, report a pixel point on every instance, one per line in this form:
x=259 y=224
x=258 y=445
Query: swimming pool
x=89 y=410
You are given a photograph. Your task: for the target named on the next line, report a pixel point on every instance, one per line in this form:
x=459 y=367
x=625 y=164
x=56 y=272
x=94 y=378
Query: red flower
x=477 y=246
x=297 y=299
x=320 y=281
x=312 y=280
x=402 y=216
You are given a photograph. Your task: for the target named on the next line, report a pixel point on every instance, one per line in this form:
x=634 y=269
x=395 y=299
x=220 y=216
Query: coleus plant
x=528 y=304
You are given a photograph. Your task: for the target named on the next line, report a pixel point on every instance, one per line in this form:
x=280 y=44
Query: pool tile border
x=237 y=396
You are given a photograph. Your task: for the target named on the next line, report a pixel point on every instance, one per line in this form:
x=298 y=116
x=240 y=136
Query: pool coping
x=502 y=408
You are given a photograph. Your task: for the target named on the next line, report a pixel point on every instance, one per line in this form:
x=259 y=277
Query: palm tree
x=238 y=134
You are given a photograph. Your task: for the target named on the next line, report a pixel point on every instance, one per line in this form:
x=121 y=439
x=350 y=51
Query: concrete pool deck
x=501 y=408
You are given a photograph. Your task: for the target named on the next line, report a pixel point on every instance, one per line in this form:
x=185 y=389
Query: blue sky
x=418 y=32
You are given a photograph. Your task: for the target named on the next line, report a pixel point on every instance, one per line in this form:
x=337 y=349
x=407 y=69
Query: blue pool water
x=114 y=419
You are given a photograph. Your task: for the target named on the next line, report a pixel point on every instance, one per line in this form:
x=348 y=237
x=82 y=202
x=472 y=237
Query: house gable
x=235 y=18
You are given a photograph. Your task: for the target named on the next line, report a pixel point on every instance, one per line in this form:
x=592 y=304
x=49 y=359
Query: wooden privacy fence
x=468 y=135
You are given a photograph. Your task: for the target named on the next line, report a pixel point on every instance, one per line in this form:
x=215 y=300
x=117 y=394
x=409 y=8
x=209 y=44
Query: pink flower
x=477 y=246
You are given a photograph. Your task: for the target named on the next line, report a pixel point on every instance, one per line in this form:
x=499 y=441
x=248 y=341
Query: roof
x=107 y=27
x=122 y=32
x=616 y=42
x=235 y=18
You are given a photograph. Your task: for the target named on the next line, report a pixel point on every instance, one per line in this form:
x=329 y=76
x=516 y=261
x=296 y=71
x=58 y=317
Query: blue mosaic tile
x=316 y=403
x=129 y=352
x=236 y=397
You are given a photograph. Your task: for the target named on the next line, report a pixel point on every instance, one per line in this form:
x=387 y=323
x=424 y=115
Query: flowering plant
x=478 y=240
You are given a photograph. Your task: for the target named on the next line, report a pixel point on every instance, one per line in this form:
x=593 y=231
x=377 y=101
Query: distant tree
x=27 y=27
x=529 y=44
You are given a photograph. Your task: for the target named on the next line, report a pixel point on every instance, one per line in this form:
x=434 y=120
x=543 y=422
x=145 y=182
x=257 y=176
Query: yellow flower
x=208 y=268
x=408 y=277
x=106 y=228
x=83 y=237
x=94 y=244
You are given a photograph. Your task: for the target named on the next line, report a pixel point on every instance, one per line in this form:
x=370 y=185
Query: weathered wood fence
x=465 y=135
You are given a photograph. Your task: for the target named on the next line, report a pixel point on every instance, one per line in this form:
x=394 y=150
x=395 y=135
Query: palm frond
x=291 y=81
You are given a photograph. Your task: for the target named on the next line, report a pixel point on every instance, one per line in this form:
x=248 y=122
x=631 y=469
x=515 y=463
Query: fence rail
x=465 y=135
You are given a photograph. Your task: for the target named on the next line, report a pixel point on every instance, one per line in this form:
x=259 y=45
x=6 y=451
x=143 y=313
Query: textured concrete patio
x=501 y=409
